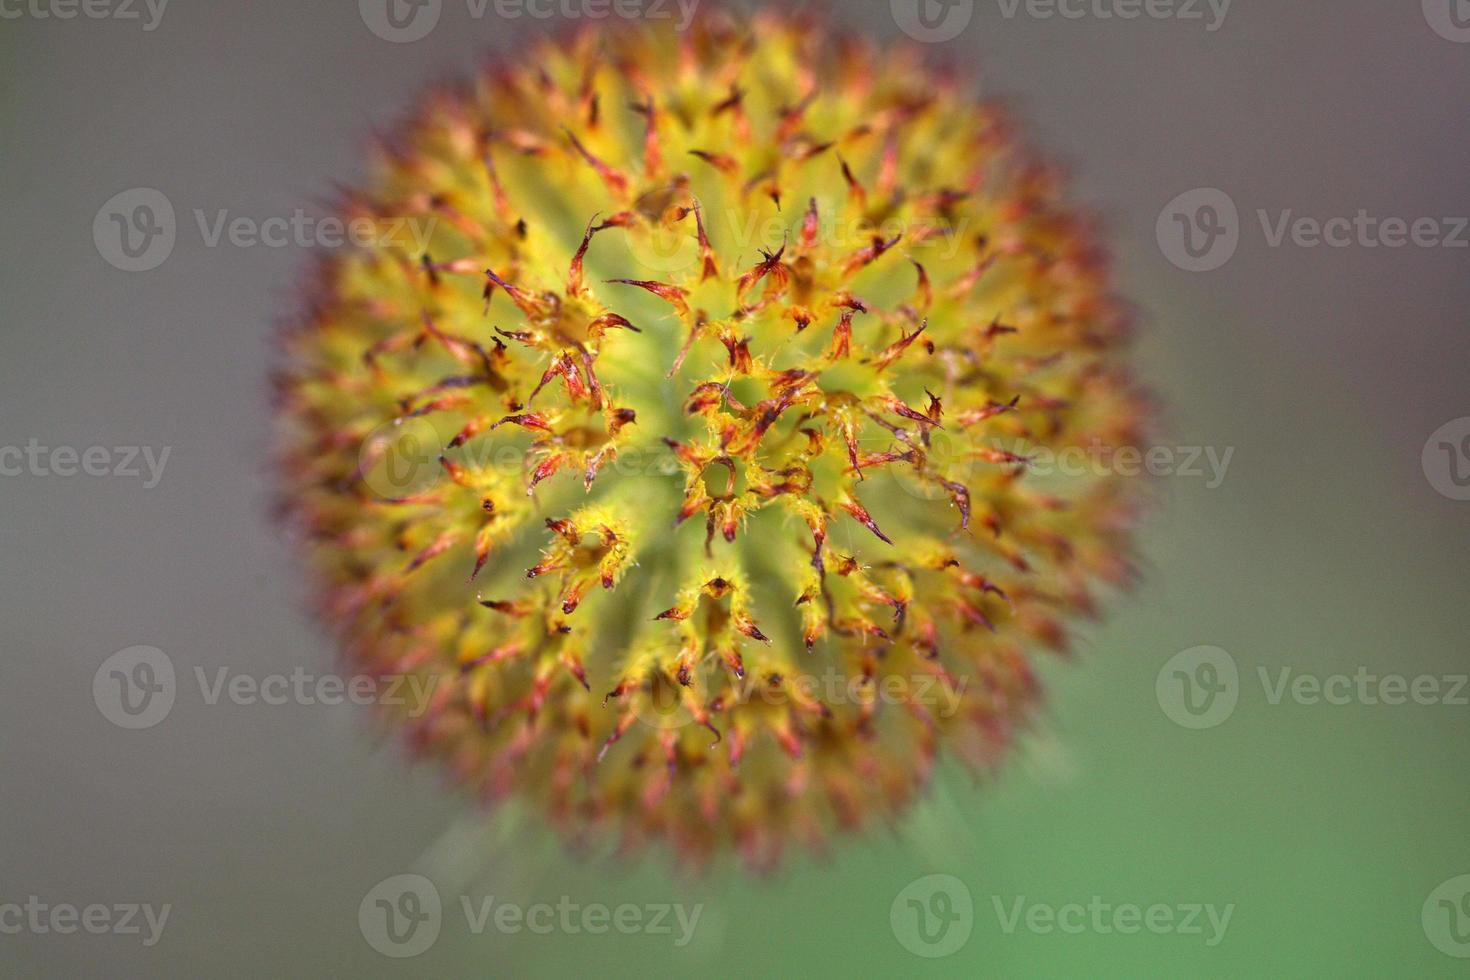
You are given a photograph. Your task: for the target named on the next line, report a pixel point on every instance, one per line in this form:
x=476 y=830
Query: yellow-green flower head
x=689 y=457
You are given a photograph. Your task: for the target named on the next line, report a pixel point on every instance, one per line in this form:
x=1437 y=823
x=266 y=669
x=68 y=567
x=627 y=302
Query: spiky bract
x=740 y=342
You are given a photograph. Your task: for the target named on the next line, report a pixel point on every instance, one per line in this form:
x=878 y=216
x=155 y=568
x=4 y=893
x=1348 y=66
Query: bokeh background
x=1325 y=549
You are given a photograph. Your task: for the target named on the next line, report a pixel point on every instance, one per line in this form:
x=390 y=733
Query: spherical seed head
x=678 y=425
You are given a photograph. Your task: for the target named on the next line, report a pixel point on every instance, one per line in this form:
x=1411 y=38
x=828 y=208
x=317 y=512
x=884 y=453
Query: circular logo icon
x=1449 y=18
x=400 y=21
x=933 y=916
x=135 y=230
x=401 y=915
x=1446 y=917
x=947 y=457
x=135 y=688
x=660 y=704
x=1199 y=687
x=400 y=459
x=1199 y=230
x=932 y=21
x=666 y=248
x=1446 y=459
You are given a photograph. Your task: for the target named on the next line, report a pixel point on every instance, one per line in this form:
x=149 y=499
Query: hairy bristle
x=688 y=452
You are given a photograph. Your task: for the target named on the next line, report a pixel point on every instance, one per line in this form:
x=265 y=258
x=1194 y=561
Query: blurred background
x=1333 y=835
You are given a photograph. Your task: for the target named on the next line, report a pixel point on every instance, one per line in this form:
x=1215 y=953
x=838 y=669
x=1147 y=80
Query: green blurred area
x=1324 y=826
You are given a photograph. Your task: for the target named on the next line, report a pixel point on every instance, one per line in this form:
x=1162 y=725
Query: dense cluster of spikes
x=690 y=460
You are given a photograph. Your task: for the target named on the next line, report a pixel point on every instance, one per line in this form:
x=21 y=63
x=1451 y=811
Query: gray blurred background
x=1326 y=548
